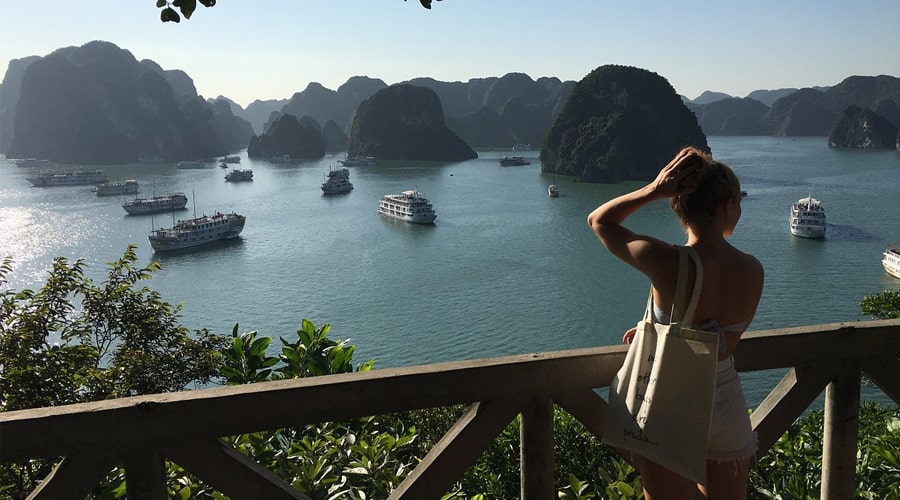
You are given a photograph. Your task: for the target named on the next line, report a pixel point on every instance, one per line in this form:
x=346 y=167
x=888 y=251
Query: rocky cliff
x=619 y=123
x=405 y=122
x=323 y=104
x=113 y=109
x=289 y=136
x=10 y=91
x=813 y=111
x=732 y=116
x=333 y=138
x=863 y=129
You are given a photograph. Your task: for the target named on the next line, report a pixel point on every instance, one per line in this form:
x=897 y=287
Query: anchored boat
x=409 y=206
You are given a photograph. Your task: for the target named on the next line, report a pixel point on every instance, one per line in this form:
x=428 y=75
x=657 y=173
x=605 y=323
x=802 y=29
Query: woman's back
x=732 y=283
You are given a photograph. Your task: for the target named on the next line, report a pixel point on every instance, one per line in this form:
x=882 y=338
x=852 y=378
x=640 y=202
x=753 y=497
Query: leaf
x=893 y=425
x=187 y=7
x=160 y=4
x=626 y=489
x=208 y=3
x=168 y=14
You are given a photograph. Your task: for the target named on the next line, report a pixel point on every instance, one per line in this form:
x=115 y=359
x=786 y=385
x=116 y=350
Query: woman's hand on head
x=678 y=176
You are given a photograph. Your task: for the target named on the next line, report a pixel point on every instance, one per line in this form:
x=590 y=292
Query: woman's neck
x=706 y=237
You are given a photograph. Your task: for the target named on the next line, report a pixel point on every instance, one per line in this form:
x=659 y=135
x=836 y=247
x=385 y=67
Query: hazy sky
x=269 y=49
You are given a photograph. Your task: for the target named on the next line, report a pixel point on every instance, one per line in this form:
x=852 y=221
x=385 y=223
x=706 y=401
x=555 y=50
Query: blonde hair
x=716 y=185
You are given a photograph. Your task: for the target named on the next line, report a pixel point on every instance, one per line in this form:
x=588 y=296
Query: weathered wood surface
x=231 y=472
x=212 y=413
x=75 y=476
x=458 y=449
x=536 y=459
x=840 y=435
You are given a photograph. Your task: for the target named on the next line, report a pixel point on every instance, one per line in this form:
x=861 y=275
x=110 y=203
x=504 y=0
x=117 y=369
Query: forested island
x=116 y=109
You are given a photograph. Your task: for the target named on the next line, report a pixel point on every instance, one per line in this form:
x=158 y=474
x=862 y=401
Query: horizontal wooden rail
x=184 y=427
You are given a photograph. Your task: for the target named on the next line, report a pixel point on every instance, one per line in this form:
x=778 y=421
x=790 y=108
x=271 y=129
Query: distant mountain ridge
x=118 y=109
x=814 y=111
x=485 y=112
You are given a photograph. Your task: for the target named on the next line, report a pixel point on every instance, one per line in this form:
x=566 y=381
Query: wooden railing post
x=839 y=444
x=536 y=451
x=145 y=475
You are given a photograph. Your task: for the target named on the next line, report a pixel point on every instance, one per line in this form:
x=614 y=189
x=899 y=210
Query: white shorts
x=731 y=437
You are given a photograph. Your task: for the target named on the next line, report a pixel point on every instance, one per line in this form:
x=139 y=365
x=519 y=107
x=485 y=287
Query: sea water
x=505 y=269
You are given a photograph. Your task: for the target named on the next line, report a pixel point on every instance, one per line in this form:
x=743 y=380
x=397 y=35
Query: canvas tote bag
x=661 y=399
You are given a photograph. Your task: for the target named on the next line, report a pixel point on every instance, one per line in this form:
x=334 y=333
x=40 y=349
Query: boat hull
x=513 y=161
x=413 y=219
x=408 y=206
x=191 y=164
x=808 y=232
x=79 y=178
x=117 y=188
x=197 y=232
x=239 y=176
x=337 y=189
x=891 y=262
x=138 y=206
x=359 y=161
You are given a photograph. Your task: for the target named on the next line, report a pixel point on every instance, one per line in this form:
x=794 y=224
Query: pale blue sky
x=269 y=49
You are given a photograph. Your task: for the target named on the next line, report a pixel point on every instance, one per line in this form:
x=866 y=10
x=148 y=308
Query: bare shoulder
x=750 y=268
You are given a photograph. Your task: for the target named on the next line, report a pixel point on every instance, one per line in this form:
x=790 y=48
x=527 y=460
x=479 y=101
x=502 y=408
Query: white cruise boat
x=33 y=163
x=197 y=231
x=891 y=261
x=77 y=178
x=280 y=159
x=191 y=164
x=359 y=161
x=513 y=161
x=338 y=182
x=165 y=203
x=808 y=218
x=553 y=191
x=407 y=206
x=231 y=159
x=238 y=175
x=115 y=188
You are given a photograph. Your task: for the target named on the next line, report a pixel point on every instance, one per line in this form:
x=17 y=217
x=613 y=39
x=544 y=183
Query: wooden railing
x=185 y=428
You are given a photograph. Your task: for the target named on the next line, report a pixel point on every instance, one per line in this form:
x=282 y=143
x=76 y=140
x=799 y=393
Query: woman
x=706 y=196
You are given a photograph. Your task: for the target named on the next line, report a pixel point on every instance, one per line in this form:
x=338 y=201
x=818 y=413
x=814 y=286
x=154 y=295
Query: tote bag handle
x=687 y=317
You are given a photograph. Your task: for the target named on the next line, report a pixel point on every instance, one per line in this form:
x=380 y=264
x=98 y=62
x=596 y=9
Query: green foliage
x=187 y=7
x=73 y=341
x=119 y=340
x=884 y=305
x=315 y=354
x=793 y=467
x=245 y=361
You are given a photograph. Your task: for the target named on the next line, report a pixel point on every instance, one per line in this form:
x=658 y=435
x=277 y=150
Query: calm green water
x=505 y=269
